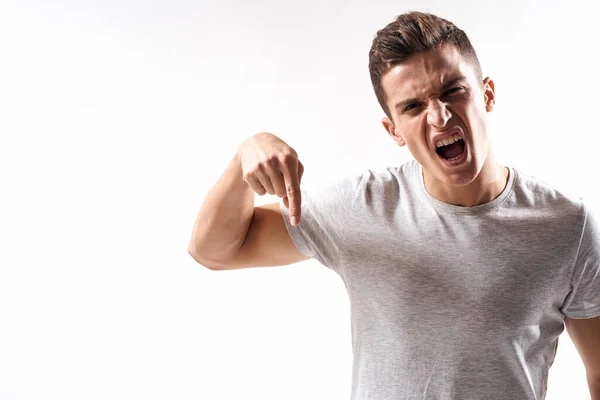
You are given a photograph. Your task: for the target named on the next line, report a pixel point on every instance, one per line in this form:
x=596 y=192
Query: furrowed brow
x=445 y=86
x=452 y=82
x=400 y=105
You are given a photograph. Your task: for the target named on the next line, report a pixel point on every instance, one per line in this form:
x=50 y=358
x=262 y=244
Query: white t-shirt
x=450 y=302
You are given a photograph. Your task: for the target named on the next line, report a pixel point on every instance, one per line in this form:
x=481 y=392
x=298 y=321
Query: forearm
x=223 y=220
x=594 y=385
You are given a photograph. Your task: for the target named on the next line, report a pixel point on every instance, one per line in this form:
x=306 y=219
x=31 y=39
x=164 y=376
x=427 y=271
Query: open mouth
x=453 y=151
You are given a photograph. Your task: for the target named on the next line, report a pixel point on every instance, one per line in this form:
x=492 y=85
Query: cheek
x=475 y=117
x=477 y=125
x=412 y=134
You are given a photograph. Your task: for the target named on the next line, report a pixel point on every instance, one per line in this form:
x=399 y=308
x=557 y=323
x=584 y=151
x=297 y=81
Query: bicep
x=267 y=243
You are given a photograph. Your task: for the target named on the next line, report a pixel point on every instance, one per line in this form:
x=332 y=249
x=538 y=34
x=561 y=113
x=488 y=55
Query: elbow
x=202 y=261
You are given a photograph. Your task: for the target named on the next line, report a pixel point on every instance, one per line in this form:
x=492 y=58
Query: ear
x=489 y=94
x=391 y=129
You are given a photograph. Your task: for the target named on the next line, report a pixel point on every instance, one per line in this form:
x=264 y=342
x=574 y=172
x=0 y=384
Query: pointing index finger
x=292 y=188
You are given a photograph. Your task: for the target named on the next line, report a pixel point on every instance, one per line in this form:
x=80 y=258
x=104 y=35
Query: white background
x=117 y=117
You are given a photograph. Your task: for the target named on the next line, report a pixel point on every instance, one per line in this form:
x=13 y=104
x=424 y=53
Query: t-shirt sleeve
x=583 y=301
x=324 y=211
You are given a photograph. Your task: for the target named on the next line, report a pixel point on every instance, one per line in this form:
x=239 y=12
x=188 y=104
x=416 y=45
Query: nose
x=437 y=114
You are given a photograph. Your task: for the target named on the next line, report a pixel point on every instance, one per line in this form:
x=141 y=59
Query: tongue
x=452 y=150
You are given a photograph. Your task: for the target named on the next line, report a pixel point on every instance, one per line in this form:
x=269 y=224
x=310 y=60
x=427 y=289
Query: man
x=461 y=273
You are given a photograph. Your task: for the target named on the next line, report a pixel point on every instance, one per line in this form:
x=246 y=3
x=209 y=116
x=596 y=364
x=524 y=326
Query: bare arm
x=224 y=218
x=585 y=334
x=229 y=232
x=594 y=385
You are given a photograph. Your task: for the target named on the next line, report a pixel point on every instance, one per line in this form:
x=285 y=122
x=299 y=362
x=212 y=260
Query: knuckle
x=271 y=162
x=255 y=170
x=289 y=155
x=291 y=190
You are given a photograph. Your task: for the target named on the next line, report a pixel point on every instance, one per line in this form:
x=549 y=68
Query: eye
x=411 y=106
x=453 y=90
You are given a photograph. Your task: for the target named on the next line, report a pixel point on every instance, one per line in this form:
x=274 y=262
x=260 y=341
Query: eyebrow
x=444 y=87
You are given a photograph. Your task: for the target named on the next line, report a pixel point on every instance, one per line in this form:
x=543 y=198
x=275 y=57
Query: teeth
x=447 y=141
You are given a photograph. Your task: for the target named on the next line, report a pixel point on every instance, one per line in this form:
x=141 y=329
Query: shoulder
x=536 y=193
x=361 y=179
x=386 y=180
x=376 y=188
x=592 y=224
x=367 y=185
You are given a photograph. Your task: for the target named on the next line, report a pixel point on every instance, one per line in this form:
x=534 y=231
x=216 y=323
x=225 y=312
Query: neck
x=488 y=185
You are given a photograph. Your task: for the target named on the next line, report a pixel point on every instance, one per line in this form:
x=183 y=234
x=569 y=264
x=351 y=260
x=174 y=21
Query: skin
x=436 y=109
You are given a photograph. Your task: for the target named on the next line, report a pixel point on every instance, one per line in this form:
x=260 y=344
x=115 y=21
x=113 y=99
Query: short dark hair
x=412 y=33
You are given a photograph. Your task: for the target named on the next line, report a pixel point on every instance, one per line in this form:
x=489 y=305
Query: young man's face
x=436 y=95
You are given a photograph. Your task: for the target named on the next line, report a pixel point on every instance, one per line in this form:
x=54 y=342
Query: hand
x=269 y=165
